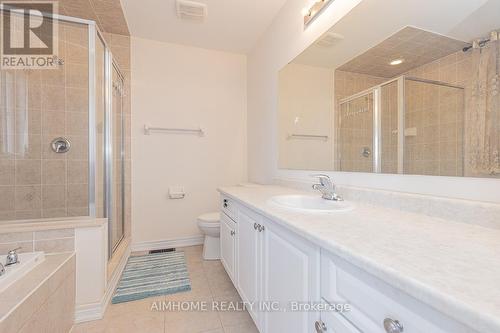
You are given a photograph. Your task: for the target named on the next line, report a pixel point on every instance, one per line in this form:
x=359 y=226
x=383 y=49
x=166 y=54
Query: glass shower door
x=355 y=133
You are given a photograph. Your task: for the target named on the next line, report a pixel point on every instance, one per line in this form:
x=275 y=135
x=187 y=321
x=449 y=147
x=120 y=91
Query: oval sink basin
x=310 y=203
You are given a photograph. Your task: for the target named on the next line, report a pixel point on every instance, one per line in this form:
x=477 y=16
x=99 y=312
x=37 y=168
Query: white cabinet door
x=291 y=271
x=248 y=255
x=227 y=244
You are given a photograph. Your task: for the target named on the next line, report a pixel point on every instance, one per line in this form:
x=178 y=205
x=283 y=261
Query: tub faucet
x=327 y=188
x=12 y=257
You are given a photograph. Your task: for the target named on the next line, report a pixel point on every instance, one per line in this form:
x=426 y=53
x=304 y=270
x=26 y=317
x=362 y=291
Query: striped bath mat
x=152 y=275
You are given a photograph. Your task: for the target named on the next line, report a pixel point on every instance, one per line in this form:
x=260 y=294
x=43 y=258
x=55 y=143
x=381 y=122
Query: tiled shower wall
x=439 y=115
x=34 y=181
x=36 y=107
x=435 y=118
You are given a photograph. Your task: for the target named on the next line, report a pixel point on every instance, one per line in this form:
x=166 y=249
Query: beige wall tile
x=28 y=147
x=28 y=214
x=54 y=77
x=53 y=98
x=27 y=198
x=77 y=99
x=16 y=237
x=78 y=211
x=53 y=123
x=24 y=247
x=55 y=245
x=53 y=172
x=53 y=234
x=7 y=172
x=79 y=147
x=77 y=195
x=54 y=212
x=77 y=123
x=77 y=75
x=21 y=314
x=78 y=172
x=28 y=121
x=54 y=196
x=77 y=53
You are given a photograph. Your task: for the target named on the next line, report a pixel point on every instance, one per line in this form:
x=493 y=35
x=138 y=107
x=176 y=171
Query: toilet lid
x=210 y=217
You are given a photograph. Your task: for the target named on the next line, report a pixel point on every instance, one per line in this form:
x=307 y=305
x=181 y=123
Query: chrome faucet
x=12 y=257
x=327 y=188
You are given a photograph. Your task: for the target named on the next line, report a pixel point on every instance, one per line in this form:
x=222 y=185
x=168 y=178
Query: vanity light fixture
x=396 y=62
x=311 y=13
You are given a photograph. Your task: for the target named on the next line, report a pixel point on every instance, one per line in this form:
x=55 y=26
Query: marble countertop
x=451 y=266
x=50 y=224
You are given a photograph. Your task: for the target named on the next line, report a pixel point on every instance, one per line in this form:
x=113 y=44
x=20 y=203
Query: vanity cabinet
x=274 y=268
x=291 y=277
x=249 y=253
x=228 y=245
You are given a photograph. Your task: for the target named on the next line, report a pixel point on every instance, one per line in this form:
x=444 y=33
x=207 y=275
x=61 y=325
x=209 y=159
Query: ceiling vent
x=190 y=10
x=329 y=39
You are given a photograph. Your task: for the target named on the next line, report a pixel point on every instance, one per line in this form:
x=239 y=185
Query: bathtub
x=27 y=261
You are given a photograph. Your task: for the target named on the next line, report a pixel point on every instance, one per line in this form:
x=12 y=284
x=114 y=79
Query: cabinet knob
x=320 y=326
x=233 y=233
x=393 y=326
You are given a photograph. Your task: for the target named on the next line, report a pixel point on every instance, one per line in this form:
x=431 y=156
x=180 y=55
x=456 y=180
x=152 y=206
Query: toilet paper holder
x=176 y=193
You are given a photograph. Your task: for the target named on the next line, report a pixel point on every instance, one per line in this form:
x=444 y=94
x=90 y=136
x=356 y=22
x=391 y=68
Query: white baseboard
x=167 y=243
x=95 y=311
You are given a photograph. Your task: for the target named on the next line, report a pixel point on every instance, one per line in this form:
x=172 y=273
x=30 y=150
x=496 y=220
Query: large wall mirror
x=408 y=87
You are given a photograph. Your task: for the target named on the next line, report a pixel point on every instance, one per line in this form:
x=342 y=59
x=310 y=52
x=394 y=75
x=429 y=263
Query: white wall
x=179 y=86
x=305 y=104
x=281 y=43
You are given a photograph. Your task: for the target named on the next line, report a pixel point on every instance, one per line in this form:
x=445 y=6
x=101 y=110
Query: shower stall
x=62 y=133
x=406 y=125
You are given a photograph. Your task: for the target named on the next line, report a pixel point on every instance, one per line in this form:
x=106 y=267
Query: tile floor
x=209 y=282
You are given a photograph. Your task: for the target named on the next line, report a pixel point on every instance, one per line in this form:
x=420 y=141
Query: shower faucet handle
x=12 y=257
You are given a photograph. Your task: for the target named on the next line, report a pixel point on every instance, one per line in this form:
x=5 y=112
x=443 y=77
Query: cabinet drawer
x=229 y=208
x=372 y=301
x=335 y=323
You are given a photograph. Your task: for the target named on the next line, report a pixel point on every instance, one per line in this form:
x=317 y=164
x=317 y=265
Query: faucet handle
x=12 y=257
x=325 y=180
x=320 y=175
x=15 y=250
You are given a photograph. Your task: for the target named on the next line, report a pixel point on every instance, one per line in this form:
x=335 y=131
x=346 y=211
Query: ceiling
x=413 y=46
x=232 y=25
x=373 y=21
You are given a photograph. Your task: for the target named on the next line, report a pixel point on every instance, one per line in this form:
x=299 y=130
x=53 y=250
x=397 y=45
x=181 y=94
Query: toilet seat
x=209 y=218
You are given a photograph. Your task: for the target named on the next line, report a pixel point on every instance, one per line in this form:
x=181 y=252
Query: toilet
x=209 y=225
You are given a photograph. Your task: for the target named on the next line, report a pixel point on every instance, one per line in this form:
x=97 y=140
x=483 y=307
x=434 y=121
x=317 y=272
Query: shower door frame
x=377 y=115
x=376 y=92
x=110 y=65
x=93 y=31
